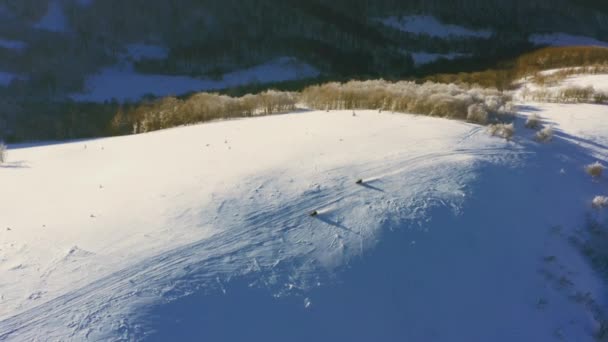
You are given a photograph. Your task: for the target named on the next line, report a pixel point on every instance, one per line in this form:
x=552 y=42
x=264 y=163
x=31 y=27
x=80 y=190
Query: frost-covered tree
x=544 y=135
x=477 y=113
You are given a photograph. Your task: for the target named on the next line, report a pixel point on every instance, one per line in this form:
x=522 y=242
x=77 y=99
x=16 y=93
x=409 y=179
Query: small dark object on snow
x=359 y=181
x=92 y=216
x=354 y=114
x=313 y=213
x=8 y=229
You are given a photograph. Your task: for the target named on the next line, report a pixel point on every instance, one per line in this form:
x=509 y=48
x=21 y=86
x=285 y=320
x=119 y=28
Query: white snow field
x=124 y=83
x=203 y=232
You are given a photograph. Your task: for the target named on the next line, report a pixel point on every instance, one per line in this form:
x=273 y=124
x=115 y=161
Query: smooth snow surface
x=424 y=24
x=124 y=83
x=204 y=233
x=564 y=39
x=54 y=20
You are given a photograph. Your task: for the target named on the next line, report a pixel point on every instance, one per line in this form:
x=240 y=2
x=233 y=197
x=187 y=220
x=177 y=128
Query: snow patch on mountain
x=54 y=20
x=565 y=39
x=12 y=44
x=425 y=24
x=7 y=77
x=140 y=51
x=421 y=58
x=123 y=83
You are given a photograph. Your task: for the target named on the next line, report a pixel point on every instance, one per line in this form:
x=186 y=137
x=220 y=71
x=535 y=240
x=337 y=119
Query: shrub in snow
x=2 y=153
x=533 y=121
x=600 y=202
x=595 y=170
x=502 y=130
x=477 y=113
x=434 y=99
x=545 y=135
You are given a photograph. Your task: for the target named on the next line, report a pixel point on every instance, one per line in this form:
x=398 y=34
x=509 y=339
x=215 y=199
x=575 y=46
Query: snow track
x=266 y=235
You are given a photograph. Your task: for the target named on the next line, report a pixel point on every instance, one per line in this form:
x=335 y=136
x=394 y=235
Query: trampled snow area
x=124 y=83
x=204 y=233
x=426 y=24
x=564 y=39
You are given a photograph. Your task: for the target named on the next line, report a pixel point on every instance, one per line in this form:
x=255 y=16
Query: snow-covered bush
x=201 y=107
x=505 y=131
x=434 y=99
x=545 y=134
x=595 y=170
x=2 y=153
x=477 y=113
x=600 y=202
x=533 y=121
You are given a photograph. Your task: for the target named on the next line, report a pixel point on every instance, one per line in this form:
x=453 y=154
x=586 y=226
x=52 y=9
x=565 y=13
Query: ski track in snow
x=267 y=236
x=263 y=233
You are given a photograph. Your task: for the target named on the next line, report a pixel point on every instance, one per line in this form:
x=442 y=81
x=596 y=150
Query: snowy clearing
x=124 y=83
x=54 y=20
x=599 y=82
x=564 y=39
x=425 y=24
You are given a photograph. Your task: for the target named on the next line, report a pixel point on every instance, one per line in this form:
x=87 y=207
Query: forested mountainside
x=50 y=48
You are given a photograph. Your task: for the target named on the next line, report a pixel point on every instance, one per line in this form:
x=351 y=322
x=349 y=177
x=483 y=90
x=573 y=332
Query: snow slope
x=124 y=83
x=189 y=233
x=599 y=82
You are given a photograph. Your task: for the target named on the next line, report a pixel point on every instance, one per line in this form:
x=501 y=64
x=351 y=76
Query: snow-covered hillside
x=204 y=232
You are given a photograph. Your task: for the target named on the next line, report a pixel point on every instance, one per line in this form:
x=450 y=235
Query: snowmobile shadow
x=371 y=187
x=325 y=219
